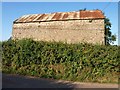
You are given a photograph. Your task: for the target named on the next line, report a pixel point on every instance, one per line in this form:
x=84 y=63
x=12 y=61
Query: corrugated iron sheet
x=94 y=14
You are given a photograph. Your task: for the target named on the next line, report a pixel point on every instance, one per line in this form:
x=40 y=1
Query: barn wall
x=72 y=31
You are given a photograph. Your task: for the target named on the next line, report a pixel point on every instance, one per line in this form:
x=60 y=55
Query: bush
x=77 y=62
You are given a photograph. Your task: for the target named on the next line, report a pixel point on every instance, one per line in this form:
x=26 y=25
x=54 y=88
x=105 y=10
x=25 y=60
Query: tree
x=10 y=39
x=83 y=9
x=109 y=38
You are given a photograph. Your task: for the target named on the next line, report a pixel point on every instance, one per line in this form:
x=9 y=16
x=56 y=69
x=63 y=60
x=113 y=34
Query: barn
x=70 y=27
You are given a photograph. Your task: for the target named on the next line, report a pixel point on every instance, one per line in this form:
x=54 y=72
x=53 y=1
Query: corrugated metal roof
x=87 y=14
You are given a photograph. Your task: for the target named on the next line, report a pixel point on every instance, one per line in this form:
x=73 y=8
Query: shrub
x=77 y=62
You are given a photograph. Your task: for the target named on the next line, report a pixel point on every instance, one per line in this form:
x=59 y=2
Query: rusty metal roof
x=87 y=14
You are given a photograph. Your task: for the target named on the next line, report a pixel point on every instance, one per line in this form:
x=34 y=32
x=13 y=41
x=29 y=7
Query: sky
x=13 y=10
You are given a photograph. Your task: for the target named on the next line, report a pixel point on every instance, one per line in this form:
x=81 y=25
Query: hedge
x=77 y=62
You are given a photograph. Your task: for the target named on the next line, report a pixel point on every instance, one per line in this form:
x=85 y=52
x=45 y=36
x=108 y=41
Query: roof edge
x=56 y=20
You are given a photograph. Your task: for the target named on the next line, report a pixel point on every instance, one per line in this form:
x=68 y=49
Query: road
x=19 y=81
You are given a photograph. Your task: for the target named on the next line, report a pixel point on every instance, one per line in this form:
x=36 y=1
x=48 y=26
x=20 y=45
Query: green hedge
x=76 y=62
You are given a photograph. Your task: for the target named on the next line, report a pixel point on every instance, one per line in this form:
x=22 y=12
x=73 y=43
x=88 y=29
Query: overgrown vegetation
x=76 y=62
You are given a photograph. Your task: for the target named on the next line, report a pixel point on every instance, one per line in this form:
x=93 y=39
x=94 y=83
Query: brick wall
x=71 y=31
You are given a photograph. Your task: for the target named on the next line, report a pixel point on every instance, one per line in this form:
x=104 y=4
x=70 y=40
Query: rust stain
x=56 y=16
x=23 y=18
x=87 y=14
x=91 y=14
x=65 y=16
x=37 y=16
x=41 y=17
x=28 y=18
x=75 y=15
x=33 y=17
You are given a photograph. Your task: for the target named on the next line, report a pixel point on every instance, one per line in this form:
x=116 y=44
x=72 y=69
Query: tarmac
x=20 y=81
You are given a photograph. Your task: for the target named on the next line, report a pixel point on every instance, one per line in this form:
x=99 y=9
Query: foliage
x=77 y=62
x=108 y=34
x=0 y=56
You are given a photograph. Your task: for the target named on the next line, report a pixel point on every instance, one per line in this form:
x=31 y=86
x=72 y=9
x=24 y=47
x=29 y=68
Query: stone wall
x=71 y=31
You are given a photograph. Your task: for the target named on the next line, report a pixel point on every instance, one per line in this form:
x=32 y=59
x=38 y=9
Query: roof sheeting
x=87 y=14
